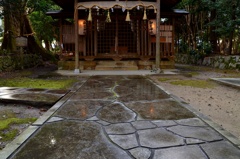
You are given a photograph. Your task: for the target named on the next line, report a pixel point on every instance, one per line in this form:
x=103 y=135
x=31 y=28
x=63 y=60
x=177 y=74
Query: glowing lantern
x=152 y=26
x=81 y=27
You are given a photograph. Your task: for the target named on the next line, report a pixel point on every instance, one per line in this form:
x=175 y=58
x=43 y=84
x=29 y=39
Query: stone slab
x=221 y=150
x=164 y=123
x=160 y=110
x=80 y=109
x=183 y=152
x=158 y=138
x=121 y=128
x=201 y=133
x=125 y=141
x=70 y=139
x=140 y=153
x=141 y=124
x=191 y=122
x=116 y=113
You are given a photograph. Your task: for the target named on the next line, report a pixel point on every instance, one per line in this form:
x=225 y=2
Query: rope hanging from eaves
x=124 y=5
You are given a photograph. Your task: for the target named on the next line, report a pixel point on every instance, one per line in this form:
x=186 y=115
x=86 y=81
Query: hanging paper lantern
x=128 y=17
x=145 y=14
x=108 y=19
x=90 y=15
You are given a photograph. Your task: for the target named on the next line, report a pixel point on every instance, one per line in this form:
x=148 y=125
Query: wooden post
x=95 y=38
x=158 y=22
x=173 y=37
x=61 y=36
x=77 y=70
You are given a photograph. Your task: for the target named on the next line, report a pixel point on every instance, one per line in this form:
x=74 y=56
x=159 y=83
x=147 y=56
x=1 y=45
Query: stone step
x=116 y=65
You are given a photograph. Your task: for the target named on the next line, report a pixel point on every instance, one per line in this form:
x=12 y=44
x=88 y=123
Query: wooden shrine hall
x=116 y=34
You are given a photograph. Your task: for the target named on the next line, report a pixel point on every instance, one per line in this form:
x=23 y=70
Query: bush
x=12 y=62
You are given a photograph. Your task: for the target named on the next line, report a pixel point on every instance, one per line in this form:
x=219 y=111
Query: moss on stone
x=6 y=123
x=164 y=79
x=10 y=135
x=37 y=83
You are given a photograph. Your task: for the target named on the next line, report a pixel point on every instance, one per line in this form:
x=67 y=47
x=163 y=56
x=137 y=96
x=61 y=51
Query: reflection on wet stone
x=161 y=110
x=75 y=140
x=159 y=137
x=93 y=95
x=81 y=109
x=36 y=99
x=143 y=90
x=116 y=113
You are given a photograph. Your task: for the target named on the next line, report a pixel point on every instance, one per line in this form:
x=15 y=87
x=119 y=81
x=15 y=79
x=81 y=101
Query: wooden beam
x=77 y=70
x=158 y=22
x=109 y=4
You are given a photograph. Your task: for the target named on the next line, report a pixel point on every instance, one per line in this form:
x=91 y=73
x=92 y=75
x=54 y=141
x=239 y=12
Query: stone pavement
x=33 y=96
x=120 y=117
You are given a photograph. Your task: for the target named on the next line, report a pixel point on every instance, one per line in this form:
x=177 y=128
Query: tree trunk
x=16 y=23
x=213 y=35
x=47 y=45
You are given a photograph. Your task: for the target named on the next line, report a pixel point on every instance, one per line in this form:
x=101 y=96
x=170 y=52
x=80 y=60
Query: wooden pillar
x=158 y=22
x=173 y=37
x=77 y=70
x=61 y=35
x=95 y=38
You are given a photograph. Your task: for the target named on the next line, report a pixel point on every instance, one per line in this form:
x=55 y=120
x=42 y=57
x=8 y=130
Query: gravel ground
x=8 y=110
x=18 y=111
x=221 y=103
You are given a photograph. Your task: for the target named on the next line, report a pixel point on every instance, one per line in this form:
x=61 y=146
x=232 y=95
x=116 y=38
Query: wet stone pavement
x=124 y=117
x=34 y=96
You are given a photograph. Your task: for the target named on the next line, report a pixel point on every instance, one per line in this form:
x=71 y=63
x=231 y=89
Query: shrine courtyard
x=120 y=117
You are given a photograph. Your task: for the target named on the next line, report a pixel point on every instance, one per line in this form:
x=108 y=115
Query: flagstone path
x=124 y=117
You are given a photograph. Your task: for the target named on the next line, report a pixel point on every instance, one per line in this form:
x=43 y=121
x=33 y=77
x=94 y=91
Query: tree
x=214 y=23
x=40 y=21
x=17 y=23
x=227 y=23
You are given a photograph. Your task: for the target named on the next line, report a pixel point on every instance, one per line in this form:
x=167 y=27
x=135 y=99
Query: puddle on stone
x=116 y=113
x=58 y=91
x=93 y=95
x=35 y=99
x=97 y=85
x=81 y=109
x=139 y=90
x=69 y=139
x=36 y=90
x=161 y=110
x=234 y=81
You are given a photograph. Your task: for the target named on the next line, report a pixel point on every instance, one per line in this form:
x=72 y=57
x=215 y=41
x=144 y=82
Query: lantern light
x=81 y=26
x=152 y=26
